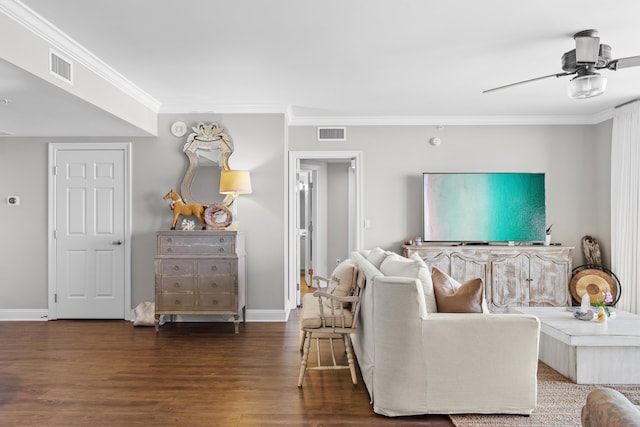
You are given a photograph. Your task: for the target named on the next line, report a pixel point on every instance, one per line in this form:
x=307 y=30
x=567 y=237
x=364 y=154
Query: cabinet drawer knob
x=221 y=250
x=176 y=285
x=169 y=240
x=214 y=285
x=169 y=250
x=214 y=302
x=222 y=240
x=214 y=267
x=176 y=267
x=178 y=302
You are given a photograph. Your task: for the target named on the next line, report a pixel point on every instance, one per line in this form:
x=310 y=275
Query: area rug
x=560 y=403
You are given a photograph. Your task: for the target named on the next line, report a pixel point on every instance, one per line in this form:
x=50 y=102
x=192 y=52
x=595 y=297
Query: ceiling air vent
x=332 y=134
x=60 y=67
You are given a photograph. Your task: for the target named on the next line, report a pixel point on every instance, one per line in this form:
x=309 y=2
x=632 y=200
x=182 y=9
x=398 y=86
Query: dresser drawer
x=177 y=300
x=176 y=267
x=176 y=283
x=217 y=301
x=195 y=243
x=216 y=283
x=216 y=266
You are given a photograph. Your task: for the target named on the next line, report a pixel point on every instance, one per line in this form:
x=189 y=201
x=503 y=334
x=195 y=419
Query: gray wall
x=158 y=164
x=337 y=213
x=576 y=160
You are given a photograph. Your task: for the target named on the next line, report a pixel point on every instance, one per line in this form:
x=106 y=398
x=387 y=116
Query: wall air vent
x=332 y=134
x=60 y=67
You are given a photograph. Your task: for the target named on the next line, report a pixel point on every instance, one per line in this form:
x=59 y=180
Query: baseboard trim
x=267 y=315
x=252 y=316
x=24 y=315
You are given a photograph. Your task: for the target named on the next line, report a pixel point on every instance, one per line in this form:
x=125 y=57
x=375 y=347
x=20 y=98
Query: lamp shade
x=235 y=182
x=587 y=86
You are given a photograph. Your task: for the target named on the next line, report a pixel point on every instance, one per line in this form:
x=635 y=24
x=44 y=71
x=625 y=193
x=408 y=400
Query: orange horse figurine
x=179 y=207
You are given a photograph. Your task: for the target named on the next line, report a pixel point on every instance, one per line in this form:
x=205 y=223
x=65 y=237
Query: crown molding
x=297 y=120
x=43 y=29
x=603 y=116
x=204 y=108
x=446 y=120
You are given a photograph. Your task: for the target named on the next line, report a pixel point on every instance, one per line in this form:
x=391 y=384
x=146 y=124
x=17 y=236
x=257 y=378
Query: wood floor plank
x=108 y=373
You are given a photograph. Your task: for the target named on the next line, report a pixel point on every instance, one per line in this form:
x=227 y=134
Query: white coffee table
x=588 y=352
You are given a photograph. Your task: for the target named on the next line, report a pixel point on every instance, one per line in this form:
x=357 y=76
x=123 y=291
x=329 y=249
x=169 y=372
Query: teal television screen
x=483 y=207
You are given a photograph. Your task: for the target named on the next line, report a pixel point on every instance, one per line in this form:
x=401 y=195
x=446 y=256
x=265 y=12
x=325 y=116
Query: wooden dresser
x=514 y=276
x=200 y=273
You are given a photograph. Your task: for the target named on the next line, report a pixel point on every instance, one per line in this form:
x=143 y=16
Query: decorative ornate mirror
x=208 y=149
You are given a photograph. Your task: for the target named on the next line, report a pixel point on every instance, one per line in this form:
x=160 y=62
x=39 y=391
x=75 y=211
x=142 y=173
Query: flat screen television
x=483 y=207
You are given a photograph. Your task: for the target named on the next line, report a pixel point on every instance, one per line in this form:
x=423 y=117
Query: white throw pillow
x=376 y=256
x=396 y=265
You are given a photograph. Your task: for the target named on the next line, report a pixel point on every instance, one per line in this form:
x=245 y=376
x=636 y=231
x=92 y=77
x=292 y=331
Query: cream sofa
x=416 y=361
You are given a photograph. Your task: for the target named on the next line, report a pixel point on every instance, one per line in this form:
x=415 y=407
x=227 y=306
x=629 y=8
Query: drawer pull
x=169 y=250
x=214 y=302
x=214 y=285
x=176 y=285
x=178 y=302
x=176 y=267
x=214 y=267
x=222 y=240
x=221 y=250
x=170 y=240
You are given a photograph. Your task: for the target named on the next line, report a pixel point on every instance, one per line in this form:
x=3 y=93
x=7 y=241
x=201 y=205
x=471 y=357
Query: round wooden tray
x=593 y=282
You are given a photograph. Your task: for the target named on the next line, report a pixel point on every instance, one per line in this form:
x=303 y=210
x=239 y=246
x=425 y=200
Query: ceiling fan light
x=587 y=86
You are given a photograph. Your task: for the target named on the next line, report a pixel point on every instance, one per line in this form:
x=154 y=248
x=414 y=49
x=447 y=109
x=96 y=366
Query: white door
x=89 y=231
x=303 y=228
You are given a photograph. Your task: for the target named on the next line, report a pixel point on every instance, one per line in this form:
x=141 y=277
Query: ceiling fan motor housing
x=570 y=65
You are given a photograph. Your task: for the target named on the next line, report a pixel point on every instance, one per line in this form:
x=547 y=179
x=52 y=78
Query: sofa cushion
x=376 y=255
x=310 y=314
x=342 y=281
x=454 y=297
x=396 y=265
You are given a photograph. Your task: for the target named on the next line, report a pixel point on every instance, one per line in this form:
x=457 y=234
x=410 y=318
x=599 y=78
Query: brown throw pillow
x=453 y=297
x=342 y=279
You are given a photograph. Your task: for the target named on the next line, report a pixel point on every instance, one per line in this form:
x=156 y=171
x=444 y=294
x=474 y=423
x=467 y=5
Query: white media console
x=514 y=276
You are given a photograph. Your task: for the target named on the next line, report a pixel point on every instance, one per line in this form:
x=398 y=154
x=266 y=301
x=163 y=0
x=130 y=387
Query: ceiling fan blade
x=631 y=61
x=526 y=81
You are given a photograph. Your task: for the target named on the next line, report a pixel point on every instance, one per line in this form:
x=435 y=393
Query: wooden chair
x=326 y=315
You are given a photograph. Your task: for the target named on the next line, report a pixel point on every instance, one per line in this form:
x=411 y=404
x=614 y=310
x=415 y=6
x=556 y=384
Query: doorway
x=310 y=187
x=307 y=243
x=89 y=222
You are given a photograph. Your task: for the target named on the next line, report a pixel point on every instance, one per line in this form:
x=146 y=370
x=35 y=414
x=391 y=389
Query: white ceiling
x=354 y=61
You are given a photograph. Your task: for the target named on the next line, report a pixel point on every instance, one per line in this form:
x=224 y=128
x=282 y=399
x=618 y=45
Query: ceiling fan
x=584 y=61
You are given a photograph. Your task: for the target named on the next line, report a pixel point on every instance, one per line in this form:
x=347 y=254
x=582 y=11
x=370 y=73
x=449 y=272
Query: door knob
x=117 y=242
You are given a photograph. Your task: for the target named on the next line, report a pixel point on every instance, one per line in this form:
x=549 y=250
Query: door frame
x=54 y=147
x=293 y=277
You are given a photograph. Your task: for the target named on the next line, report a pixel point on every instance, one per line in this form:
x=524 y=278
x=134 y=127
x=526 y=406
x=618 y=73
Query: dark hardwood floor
x=108 y=373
